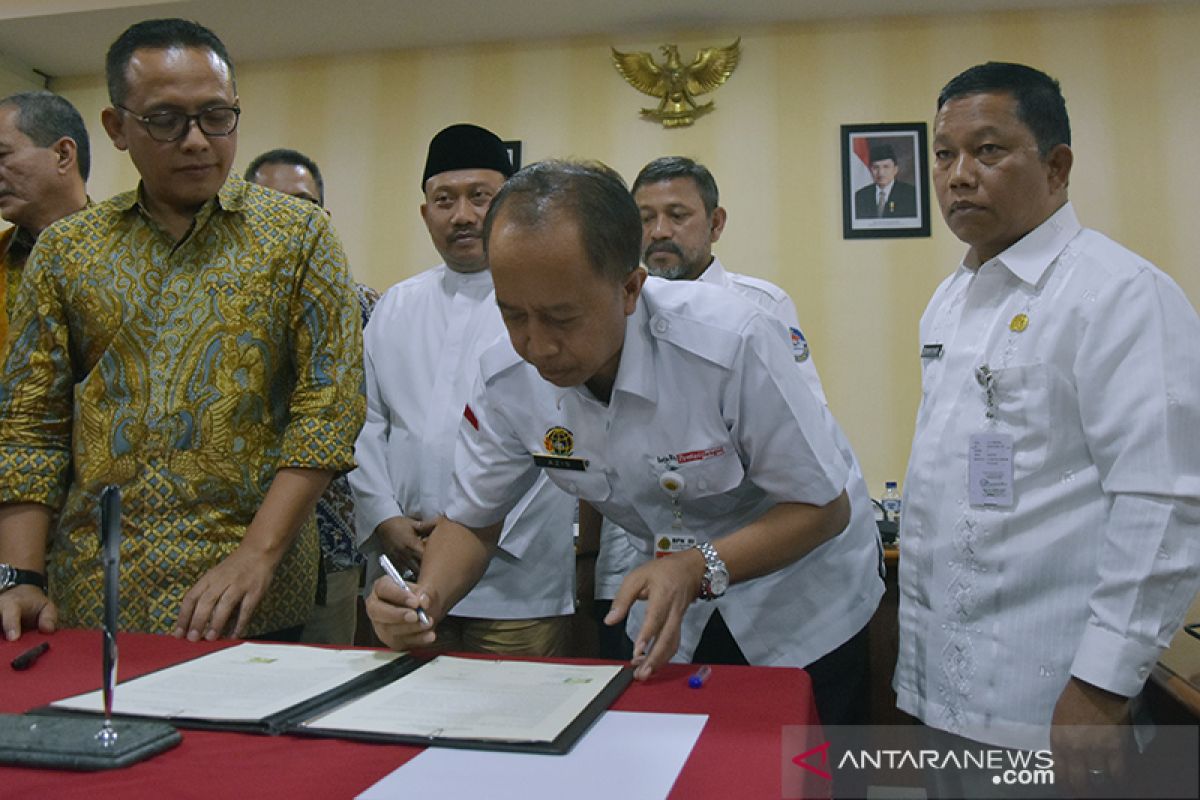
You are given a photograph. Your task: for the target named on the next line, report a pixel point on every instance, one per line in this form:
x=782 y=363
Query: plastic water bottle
x=891 y=502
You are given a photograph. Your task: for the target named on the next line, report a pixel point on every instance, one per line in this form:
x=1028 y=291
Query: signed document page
x=467 y=698
x=246 y=683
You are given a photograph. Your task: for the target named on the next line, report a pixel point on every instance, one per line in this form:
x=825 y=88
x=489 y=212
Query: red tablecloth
x=737 y=756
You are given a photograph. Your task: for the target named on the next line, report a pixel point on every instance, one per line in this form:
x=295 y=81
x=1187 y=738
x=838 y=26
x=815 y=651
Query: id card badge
x=669 y=543
x=990 y=470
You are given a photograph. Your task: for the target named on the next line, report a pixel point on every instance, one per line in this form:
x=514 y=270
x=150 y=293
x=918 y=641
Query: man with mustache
x=422 y=349
x=164 y=341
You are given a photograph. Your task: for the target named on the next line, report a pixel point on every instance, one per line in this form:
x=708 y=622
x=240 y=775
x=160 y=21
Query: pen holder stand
x=61 y=741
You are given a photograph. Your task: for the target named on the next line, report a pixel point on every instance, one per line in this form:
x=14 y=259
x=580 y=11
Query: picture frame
x=513 y=146
x=905 y=207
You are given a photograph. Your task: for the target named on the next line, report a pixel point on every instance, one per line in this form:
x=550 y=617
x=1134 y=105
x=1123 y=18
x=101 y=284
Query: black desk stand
x=73 y=742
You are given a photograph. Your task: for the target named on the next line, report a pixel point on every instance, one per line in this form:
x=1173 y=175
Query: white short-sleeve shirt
x=706 y=387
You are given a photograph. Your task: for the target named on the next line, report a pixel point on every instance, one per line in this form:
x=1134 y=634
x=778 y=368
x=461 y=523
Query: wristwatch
x=716 y=575
x=11 y=576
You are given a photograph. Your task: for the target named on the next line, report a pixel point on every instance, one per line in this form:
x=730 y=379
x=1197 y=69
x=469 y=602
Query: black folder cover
x=291 y=720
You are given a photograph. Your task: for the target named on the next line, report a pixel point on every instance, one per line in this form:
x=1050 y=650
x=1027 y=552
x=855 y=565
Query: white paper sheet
x=241 y=684
x=626 y=755
x=473 y=698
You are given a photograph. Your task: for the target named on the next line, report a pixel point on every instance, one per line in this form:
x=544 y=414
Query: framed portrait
x=885 y=181
x=514 y=152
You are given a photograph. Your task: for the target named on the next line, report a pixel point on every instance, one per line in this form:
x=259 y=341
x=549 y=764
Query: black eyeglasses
x=169 y=126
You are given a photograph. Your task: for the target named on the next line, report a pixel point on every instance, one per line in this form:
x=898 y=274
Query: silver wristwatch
x=716 y=575
x=11 y=576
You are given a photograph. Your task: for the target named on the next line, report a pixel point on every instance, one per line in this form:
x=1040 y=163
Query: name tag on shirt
x=990 y=470
x=546 y=461
x=666 y=544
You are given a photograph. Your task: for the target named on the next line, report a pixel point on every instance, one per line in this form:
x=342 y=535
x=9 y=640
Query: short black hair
x=46 y=117
x=1040 y=103
x=671 y=167
x=283 y=155
x=157 y=34
x=591 y=194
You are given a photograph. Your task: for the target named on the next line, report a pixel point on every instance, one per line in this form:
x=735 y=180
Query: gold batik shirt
x=186 y=373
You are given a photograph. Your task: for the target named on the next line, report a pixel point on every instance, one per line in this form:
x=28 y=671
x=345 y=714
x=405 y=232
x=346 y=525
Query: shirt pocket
x=1023 y=410
x=589 y=484
x=711 y=484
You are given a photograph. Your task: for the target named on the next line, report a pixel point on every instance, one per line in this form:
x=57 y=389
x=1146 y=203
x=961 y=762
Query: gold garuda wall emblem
x=676 y=85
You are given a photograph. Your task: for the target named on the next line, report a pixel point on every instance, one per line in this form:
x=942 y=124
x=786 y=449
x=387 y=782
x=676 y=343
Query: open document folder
x=375 y=696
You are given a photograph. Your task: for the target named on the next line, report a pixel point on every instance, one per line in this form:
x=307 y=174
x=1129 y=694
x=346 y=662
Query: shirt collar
x=230 y=197
x=715 y=274
x=635 y=370
x=635 y=373
x=19 y=245
x=1033 y=253
x=473 y=283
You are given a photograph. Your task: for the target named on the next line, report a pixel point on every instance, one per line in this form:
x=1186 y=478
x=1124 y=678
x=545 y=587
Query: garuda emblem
x=675 y=84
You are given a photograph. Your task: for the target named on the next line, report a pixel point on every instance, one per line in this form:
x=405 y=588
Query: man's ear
x=632 y=288
x=114 y=126
x=716 y=224
x=1058 y=167
x=67 y=153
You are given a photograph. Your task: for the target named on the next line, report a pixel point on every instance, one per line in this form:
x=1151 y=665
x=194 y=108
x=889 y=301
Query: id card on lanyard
x=989 y=455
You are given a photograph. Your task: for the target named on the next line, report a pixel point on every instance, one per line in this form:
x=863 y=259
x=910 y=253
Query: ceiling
x=61 y=38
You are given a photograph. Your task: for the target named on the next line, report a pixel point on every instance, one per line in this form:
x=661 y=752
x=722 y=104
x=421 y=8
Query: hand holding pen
x=390 y=569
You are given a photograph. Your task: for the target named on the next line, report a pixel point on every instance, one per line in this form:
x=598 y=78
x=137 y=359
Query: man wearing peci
x=423 y=347
x=195 y=341
x=1053 y=491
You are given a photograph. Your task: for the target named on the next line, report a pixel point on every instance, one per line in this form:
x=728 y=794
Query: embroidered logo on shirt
x=799 y=345
x=559 y=441
x=691 y=455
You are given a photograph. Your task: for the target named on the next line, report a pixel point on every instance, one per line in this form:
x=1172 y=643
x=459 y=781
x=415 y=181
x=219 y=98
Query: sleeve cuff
x=34 y=476
x=318 y=443
x=1112 y=662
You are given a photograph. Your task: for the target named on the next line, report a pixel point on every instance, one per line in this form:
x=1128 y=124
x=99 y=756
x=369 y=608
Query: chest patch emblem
x=559 y=441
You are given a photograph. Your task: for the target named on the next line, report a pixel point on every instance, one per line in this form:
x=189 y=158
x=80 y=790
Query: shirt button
x=570 y=487
x=702 y=485
x=661 y=325
x=1142 y=672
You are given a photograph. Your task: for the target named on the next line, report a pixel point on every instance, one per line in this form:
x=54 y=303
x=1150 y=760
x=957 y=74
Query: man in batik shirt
x=196 y=342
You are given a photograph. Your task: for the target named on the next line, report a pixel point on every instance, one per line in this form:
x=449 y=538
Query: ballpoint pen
x=390 y=569
x=700 y=677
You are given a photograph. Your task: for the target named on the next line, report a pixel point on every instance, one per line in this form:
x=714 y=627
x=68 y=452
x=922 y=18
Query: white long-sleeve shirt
x=1096 y=358
x=422 y=349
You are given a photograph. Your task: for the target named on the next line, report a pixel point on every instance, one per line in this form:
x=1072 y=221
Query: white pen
x=390 y=569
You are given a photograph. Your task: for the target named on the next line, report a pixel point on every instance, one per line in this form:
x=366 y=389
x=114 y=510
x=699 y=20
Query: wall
x=773 y=143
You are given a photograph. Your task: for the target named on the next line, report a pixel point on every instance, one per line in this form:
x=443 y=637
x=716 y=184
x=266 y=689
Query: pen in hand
x=386 y=563
x=27 y=659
